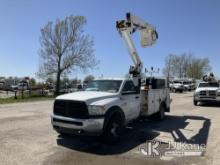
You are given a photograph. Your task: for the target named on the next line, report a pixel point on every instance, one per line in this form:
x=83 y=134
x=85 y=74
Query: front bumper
x=179 y=89
x=207 y=98
x=91 y=126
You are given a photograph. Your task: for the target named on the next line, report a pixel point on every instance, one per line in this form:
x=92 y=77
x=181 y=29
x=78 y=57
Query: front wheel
x=62 y=134
x=195 y=102
x=113 y=130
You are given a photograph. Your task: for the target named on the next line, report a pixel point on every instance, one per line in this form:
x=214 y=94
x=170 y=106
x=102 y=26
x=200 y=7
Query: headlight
x=196 y=93
x=196 y=96
x=96 y=110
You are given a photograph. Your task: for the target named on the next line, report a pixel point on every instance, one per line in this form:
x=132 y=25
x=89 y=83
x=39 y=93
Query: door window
x=129 y=88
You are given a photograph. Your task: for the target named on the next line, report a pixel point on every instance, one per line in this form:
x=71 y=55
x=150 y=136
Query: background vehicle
x=192 y=85
x=188 y=84
x=21 y=86
x=176 y=86
x=106 y=105
x=207 y=91
x=2 y=83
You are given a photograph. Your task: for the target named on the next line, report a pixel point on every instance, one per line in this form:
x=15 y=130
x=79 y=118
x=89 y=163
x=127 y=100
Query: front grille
x=72 y=109
x=207 y=94
x=202 y=93
x=212 y=93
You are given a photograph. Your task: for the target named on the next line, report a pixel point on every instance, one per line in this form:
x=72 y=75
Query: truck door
x=130 y=100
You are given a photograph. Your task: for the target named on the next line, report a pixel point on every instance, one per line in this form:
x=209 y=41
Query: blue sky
x=183 y=26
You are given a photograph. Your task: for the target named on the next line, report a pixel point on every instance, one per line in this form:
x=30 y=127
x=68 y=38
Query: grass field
x=25 y=99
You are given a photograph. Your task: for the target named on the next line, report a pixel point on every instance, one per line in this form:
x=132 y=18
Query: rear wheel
x=159 y=115
x=113 y=129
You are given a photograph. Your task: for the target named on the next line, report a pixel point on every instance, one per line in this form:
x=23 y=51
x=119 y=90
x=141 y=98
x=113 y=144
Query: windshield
x=209 y=85
x=186 y=83
x=104 y=85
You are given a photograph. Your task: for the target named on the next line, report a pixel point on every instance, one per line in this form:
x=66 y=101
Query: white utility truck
x=207 y=91
x=108 y=104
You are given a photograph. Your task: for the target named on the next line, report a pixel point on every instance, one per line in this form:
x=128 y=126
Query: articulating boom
x=148 y=37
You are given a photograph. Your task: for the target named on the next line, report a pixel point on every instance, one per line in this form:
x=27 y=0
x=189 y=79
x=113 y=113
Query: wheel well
x=167 y=109
x=115 y=110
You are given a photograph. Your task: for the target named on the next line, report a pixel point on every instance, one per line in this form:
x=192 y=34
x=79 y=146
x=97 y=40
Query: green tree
x=88 y=78
x=32 y=82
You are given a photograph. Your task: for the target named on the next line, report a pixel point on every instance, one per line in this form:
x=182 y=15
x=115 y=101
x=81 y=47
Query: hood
x=178 y=84
x=207 y=89
x=87 y=96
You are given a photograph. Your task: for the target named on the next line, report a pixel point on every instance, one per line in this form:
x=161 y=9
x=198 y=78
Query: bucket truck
x=207 y=91
x=108 y=104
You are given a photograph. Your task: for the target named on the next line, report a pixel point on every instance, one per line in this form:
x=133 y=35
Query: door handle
x=137 y=97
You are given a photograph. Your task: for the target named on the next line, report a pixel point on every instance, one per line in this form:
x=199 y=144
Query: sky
x=184 y=26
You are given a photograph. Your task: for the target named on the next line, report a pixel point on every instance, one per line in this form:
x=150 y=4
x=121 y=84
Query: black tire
x=113 y=130
x=62 y=134
x=195 y=102
x=161 y=114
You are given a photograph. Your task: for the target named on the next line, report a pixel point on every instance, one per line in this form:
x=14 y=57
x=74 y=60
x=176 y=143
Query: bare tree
x=198 y=67
x=173 y=66
x=64 y=48
x=186 y=65
x=167 y=69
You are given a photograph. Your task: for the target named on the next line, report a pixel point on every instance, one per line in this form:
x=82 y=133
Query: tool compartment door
x=151 y=102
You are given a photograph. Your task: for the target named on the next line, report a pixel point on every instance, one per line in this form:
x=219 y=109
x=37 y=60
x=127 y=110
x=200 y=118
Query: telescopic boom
x=148 y=37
